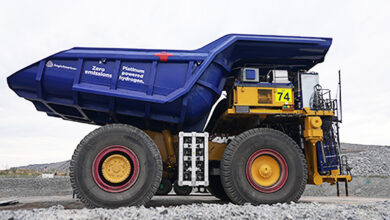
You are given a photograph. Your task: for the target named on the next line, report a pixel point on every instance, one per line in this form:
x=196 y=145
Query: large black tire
x=129 y=138
x=165 y=187
x=182 y=190
x=216 y=189
x=239 y=185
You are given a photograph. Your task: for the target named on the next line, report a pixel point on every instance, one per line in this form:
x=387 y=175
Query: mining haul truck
x=242 y=116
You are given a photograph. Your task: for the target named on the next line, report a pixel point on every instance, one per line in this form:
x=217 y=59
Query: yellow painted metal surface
x=265 y=170
x=284 y=95
x=334 y=176
x=168 y=139
x=158 y=139
x=313 y=133
x=269 y=101
x=263 y=96
x=269 y=111
x=164 y=141
x=116 y=168
x=309 y=112
x=313 y=129
x=263 y=111
x=216 y=150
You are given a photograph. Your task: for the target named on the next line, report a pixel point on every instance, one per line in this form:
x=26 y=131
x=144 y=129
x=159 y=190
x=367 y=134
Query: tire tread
x=74 y=182
x=227 y=159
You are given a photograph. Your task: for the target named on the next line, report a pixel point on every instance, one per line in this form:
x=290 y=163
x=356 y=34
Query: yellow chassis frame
x=312 y=133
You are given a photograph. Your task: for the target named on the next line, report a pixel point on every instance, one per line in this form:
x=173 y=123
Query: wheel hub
x=265 y=170
x=116 y=168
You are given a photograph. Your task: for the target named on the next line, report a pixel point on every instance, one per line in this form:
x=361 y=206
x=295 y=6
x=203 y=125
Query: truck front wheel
x=116 y=165
x=263 y=166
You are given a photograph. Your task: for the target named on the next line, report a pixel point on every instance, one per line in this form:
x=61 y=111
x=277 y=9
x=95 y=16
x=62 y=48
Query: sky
x=33 y=30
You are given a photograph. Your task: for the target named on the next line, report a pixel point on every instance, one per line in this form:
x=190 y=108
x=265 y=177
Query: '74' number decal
x=283 y=95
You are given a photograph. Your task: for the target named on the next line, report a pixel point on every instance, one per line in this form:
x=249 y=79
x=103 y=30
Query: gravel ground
x=27 y=187
x=367 y=160
x=377 y=210
x=377 y=187
x=23 y=187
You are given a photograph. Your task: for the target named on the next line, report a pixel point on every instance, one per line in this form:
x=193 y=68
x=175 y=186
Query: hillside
x=62 y=166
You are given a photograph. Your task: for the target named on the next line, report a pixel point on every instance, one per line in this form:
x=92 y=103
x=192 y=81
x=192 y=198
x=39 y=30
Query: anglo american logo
x=49 y=64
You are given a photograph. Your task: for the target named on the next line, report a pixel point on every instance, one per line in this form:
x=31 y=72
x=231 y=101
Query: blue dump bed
x=153 y=89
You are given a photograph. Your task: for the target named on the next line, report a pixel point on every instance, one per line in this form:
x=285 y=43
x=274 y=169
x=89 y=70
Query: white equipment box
x=193 y=159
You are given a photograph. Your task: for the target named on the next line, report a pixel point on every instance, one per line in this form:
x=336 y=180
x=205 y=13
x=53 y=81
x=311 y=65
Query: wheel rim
x=115 y=168
x=266 y=170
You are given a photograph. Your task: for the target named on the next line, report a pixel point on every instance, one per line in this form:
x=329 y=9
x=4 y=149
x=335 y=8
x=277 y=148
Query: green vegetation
x=15 y=172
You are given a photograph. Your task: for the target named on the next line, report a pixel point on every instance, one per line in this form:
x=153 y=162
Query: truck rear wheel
x=165 y=187
x=182 y=190
x=116 y=165
x=263 y=166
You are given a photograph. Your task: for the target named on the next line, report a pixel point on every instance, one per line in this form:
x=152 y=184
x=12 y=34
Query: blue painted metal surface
x=153 y=89
x=330 y=162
